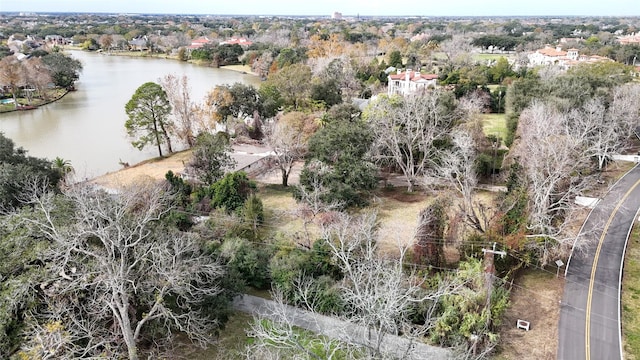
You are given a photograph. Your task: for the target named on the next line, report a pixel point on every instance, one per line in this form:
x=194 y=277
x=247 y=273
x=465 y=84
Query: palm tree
x=63 y=167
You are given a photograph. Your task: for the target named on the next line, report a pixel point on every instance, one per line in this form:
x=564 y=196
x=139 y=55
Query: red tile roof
x=413 y=76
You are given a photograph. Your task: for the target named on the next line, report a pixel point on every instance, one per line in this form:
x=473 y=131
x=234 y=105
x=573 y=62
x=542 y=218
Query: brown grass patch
x=398 y=214
x=534 y=298
x=281 y=214
x=153 y=169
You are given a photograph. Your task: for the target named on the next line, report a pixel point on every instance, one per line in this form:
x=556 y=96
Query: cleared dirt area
x=535 y=297
x=398 y=212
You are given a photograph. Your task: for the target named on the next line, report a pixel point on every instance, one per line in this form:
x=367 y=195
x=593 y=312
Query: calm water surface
x=87 y=126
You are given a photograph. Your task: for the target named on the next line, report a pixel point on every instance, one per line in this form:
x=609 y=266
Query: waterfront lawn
x=52 y=95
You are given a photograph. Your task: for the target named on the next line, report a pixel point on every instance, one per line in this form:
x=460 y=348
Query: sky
x=327 y=7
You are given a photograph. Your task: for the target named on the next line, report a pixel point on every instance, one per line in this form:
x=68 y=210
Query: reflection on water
x=87 y=126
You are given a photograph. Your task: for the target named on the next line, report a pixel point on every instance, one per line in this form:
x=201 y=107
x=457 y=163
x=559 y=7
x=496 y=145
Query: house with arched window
x=410 y=82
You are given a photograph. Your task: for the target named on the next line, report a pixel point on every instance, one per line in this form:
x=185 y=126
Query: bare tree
x=262 y=64
x=37 y=76
x=378 y=291
x=554 y=163
x=12 y=76
x=106 y=42
x=457 y=50
x=114 y=273
x=624 y=109
x=184 y=110
x=406 y=128
x=376 y=286
x=604 y=136
x=456 y=167
x=281 y=338
x=288 y=137
x=311 y=203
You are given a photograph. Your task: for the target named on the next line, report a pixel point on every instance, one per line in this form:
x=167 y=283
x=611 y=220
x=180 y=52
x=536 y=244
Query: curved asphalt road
x=589 y=325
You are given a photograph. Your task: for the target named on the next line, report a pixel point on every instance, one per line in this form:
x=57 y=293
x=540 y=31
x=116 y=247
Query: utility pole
x=489 y=273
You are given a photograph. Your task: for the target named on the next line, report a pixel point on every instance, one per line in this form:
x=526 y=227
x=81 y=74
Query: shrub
x=232 y=191
x=250 y=261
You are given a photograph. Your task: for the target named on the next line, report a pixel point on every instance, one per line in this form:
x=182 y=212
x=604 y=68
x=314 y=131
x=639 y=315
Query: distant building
x=563 y=59
x=199 y=42
x=55 y=40
x=629 y=39
x=336 y=15
x=240 y=41
x=139 y=44
x=410 y=82
x=566 y=40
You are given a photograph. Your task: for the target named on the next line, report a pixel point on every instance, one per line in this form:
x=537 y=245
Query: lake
x=86 y=127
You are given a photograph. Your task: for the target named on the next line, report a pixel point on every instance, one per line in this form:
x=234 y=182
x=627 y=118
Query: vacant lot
x=535 y=295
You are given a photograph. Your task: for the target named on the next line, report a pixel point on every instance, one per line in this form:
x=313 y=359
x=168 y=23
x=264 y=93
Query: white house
x=410 y=82
x=547 y=56
x=563 y=59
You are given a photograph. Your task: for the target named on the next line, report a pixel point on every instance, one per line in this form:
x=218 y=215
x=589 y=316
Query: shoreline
x=244 y=69
x=153 y=169
x=34 y=107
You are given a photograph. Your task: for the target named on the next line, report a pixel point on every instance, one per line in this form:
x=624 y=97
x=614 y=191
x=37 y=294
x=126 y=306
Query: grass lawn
x=52 y=95
x=495 y=124
x=231 y=343
x=489 y=56
x=233 y=340
x=398 y=215
x=631 y=298
x=281 y=213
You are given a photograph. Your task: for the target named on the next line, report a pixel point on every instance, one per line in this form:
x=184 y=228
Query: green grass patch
x=280 y=212
x=495 y=124
x=317 y=346
x=481 y=57
x=233 y=340
x=230 y=344
x=630 y=299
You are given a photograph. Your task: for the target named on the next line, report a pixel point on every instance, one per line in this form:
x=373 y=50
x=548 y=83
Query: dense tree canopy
x=236 y=101
x=65 y=70
x=17 y=170
x=293 y=84
x=210 y=158
x=116 y=282
x=339 y=160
